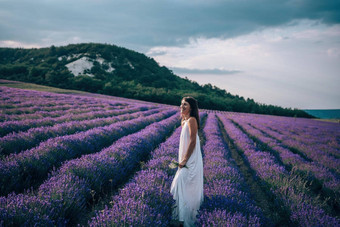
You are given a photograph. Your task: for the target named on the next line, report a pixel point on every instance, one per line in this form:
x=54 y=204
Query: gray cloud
x=203 y=71
x=146 y=23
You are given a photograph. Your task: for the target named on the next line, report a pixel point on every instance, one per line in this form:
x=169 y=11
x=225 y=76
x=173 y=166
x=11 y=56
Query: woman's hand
x=182 y=164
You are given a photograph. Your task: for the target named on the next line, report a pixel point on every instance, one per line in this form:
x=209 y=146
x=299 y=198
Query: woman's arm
x=192 y=131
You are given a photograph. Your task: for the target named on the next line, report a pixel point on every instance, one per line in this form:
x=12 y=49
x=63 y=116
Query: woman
x=187 y=186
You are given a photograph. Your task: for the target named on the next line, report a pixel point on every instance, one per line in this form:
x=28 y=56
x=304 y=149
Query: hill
x=112 y=70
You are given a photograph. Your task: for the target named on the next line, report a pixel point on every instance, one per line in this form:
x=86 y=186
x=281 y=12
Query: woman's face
x=185 y=107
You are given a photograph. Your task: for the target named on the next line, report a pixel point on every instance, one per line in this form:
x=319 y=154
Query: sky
x=284 y=53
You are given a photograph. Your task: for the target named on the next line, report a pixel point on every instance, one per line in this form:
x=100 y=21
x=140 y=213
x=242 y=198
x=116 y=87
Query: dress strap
x=185 y=121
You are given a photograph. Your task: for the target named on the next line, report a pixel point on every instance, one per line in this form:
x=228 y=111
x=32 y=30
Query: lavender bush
x=19 y=171
x=16 y=126
x=311 y=169
x=55 y=113
x=225 y=189
x=69 y=188
x=290 y=189
x=16 y=142
x=314 y=140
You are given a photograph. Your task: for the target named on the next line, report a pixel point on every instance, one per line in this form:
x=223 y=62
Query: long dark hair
x=194 y=108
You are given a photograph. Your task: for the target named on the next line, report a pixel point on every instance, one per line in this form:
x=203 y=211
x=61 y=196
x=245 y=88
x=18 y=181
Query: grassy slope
x=36 y=87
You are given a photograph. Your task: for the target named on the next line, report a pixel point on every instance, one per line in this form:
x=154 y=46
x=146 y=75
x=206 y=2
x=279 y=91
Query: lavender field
x=94 y=160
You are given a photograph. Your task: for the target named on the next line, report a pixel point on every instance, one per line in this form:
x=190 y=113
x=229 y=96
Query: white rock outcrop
x=78 y=67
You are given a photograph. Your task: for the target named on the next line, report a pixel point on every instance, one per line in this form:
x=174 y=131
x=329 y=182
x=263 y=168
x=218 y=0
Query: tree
x=53 y=51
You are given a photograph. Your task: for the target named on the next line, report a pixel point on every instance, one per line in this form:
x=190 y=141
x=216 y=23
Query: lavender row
x=63 y=198
x=146 y=199
x=34 y=109
x=310 y=131
x=289 y=189
x=319 y=153
x=320 y=147
x=18 y=96
x=37 y=102
x=31 y=103
x=322 y=174
x=20 y=103
x=75 y=109
x=37 y=106
x=16 y=142
x=42 y=114
x=225 y=188
x=22 y=96
x=16 y=126
x=29 y=168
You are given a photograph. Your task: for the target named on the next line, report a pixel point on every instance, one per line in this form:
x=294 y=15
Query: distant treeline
x=134 y=76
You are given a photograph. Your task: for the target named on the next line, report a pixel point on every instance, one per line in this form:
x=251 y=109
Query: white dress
x=187 y=185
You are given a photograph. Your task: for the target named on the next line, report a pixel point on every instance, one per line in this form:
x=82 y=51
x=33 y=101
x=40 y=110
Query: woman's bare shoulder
x=192 y=121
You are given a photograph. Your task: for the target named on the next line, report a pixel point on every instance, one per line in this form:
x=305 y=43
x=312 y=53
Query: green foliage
x=135 y=76
x=86 y=83
x=13 y=72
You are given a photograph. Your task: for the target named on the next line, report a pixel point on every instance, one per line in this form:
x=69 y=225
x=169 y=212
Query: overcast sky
x=284 y=53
